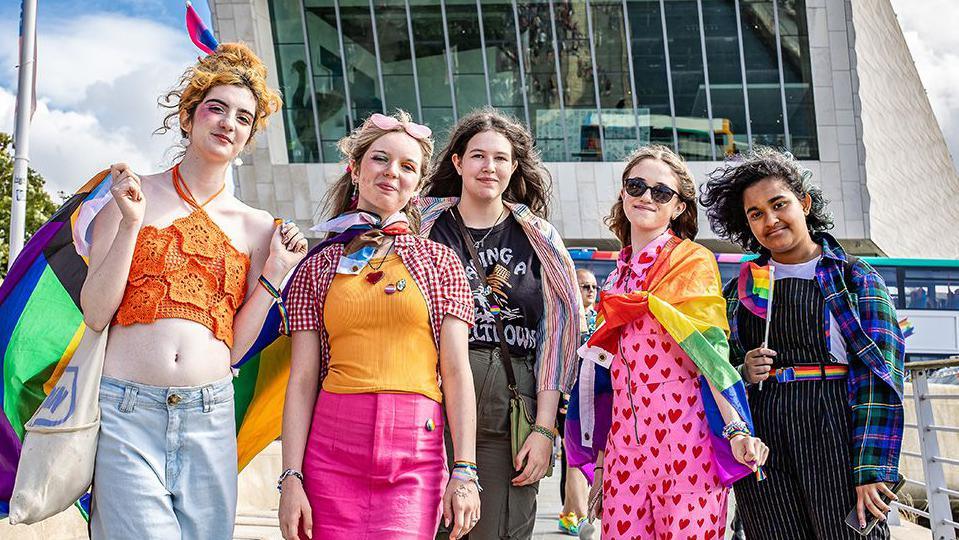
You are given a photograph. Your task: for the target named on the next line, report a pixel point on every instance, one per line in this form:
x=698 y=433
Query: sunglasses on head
x=417 y=131
x=636 y=187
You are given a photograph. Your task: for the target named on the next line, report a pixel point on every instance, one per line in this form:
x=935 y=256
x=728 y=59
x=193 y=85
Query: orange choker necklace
x=184 y=191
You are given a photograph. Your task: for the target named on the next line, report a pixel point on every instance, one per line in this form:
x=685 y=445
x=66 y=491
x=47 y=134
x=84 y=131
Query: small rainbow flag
x=906 y=327
x=755 y=288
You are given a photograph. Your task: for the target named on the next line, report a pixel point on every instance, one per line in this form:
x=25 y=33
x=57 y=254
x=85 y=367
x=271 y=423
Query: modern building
x=830 y=80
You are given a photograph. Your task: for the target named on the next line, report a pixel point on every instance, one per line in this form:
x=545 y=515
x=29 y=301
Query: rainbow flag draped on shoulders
x=41 y=325
x=685 y=296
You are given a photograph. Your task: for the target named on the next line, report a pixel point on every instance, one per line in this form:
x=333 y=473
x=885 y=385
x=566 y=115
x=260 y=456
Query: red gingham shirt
x=436 y=269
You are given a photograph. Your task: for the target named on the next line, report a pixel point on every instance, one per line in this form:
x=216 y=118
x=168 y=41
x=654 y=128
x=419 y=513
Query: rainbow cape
x=685 y=296
x=41 y=326
x=755 y=288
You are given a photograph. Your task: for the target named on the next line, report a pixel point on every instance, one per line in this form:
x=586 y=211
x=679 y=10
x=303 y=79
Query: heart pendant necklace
x=376 y=275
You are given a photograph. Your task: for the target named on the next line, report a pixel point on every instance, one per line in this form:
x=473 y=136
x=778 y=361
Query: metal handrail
x=937 y=494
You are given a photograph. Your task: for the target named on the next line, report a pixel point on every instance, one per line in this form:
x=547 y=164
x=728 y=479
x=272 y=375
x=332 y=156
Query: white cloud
x=929 y=29
x=98 y=80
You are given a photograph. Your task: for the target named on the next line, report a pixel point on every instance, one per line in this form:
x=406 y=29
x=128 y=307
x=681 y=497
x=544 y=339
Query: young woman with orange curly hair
x=175 y=263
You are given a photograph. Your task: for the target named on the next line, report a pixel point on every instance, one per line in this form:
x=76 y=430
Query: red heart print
x=627 y=438
x=655 y=452
x=623 y=459
x=679 y=465
x=660 y=435
x=646 y=401
x=623 y=526
x=635 y=489
x=693 y=478
x=648 y=420
x=650 y=360
x=628 y=413
x=641 y=511
x=682 y=447
x=615 y=373
x=651 y=342
x=622 y=476
x=697 y=450
x=687 y=426
x=616 y=427
x=605 y=528
x=665 y=372
x=702 y=502
x=642 y=439
x=644 y=377
x=650 y=527
x=636 y=347
x=667 y=345
x=675 y=414
x=706 y=466
x=683 y=523
x=669 y=468
x=701 y=414
x=627 y=509
x=677 y=397
x=645 y=258
x=691 y=399
x=652 y=387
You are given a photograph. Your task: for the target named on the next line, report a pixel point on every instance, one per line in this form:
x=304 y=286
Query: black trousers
x=809 y=488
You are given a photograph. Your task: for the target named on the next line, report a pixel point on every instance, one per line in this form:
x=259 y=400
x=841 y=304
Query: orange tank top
x=186 y=270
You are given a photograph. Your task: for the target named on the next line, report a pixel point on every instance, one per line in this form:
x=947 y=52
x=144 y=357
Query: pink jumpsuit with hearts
x=658 y=477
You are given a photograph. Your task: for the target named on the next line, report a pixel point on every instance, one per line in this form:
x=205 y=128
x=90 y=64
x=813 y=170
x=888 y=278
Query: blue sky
x=103 y=63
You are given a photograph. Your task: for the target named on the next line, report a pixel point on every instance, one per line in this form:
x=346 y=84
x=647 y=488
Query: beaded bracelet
x=736 y=428
x=544 y=431
x=286 y=474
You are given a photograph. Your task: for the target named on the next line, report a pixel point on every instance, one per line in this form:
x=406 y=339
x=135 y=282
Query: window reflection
x=586 y=113
x=328 y=83
x=931 y=289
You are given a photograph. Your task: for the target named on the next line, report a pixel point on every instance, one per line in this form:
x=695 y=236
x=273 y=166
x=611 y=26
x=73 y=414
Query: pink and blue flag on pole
x=199 y=33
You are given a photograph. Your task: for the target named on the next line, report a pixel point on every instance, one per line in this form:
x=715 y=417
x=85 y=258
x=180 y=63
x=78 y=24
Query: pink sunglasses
x=417 y=131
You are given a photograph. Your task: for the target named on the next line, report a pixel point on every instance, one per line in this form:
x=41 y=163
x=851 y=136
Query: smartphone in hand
x=852 y=519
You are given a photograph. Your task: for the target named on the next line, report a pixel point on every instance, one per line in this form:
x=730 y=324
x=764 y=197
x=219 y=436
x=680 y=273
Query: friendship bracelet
x=278 y=300
x=736 y=428
x=544 y=431
x=466 y=476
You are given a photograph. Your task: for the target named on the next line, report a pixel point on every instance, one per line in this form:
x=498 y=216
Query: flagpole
x=769 y=310
x=21 y=136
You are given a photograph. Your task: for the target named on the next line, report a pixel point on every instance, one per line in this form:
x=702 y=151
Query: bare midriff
x=166 y=352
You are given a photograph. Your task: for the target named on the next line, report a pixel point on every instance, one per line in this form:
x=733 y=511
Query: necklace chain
x=478 y=243
x=383 y=260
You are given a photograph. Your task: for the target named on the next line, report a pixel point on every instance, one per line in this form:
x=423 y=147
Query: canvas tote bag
x=60 y=440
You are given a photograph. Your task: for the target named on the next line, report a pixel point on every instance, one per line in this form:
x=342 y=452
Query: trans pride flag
x=41 y=325
x=685 y=295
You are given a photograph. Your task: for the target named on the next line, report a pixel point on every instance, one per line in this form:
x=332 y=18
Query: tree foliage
x=39 y=204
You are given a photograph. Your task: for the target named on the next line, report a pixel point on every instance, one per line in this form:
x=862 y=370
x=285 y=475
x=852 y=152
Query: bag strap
x=847 y=271
x=503 y=348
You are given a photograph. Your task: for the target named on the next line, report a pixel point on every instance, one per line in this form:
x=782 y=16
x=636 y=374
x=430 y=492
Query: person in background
x=573 y=486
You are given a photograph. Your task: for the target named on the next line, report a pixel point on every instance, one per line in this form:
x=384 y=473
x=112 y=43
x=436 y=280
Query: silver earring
x=237 y=162
x=184 y=141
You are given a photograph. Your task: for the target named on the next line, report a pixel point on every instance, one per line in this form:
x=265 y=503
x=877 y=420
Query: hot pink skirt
x=375 y=466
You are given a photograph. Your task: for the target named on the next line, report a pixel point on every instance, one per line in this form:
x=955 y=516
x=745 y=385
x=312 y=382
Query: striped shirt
x=556 y=359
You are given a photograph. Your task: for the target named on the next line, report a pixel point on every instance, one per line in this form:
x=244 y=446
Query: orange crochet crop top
x=186 y=270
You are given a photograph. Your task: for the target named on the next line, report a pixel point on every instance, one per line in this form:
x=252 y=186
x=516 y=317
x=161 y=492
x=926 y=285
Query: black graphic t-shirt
x=511 y=272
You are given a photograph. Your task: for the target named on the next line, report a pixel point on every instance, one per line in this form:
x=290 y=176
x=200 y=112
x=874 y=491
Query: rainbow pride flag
x=755 y=288
x=906 y=327
x=41 y=325
x=685 y=296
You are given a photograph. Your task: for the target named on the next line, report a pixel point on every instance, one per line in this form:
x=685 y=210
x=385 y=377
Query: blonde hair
x=354 y=146
x=686 y=225
x=232 y=64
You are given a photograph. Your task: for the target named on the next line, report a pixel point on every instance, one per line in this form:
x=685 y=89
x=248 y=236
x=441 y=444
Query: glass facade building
x=593 y=79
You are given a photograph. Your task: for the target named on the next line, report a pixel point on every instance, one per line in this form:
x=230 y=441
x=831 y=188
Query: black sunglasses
x=637 y=186
x=588 y=287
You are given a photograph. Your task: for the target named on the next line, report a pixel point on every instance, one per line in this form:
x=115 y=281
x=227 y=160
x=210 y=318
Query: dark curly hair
x=530 y=183
x=722 y=195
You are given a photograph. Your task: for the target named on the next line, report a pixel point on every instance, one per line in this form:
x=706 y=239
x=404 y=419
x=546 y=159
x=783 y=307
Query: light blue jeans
x=166 y=462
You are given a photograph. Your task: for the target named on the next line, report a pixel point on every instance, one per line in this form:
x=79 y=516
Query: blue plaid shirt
x=867 y=320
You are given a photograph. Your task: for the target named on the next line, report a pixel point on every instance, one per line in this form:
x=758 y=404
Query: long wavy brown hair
x=530 y=183
x=686 y=225
x=339 y=198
